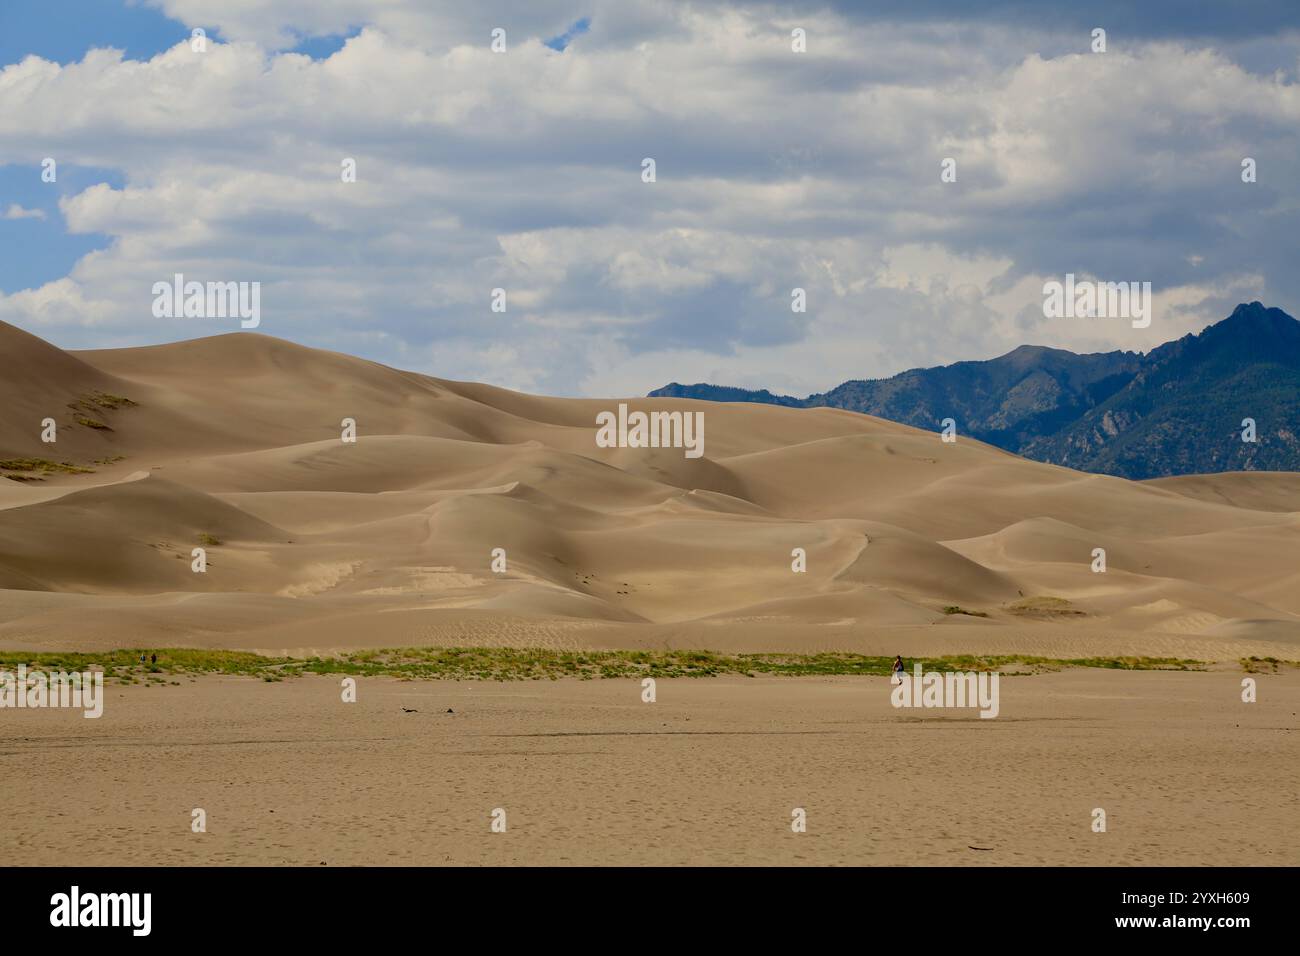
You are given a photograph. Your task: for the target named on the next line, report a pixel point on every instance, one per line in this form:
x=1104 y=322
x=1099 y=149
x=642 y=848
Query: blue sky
x=39 y=250
x=562 y=41
x=63 y=30
x=522 y=170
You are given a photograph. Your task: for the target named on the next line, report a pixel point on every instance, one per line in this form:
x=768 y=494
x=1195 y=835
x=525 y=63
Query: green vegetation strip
x=508 y=664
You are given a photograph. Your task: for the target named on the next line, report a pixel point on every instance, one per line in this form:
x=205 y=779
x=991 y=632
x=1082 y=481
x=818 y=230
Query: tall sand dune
x=469 y=513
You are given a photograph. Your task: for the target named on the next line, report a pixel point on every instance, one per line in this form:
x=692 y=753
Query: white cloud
x=54 y=304
x=16 y=211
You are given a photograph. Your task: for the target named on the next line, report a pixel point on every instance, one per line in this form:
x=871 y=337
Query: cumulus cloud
x=522 y=170
x=15 y=211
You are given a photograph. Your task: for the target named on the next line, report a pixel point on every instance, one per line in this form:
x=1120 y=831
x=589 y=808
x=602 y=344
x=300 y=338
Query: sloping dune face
x=243 y=491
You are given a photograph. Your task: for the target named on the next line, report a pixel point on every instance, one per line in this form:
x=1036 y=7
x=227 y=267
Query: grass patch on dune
x=27 y=466
x=85 y=410
x=1049 y=607
x=955 y=609
x=98 y=400
x=513 y=664
x=105 y=400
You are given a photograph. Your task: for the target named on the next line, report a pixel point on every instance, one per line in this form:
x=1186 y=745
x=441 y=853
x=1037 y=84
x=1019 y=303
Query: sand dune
x=233 y=443
x=1252 y=490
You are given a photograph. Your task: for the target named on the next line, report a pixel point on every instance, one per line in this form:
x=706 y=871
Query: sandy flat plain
x=709 y=774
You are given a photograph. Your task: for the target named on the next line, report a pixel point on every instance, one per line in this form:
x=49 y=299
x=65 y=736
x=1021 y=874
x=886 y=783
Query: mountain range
x=1176 y=410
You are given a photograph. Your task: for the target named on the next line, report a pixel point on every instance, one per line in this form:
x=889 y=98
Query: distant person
x=897 y=677
x=142 y=657
x=153 y=658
